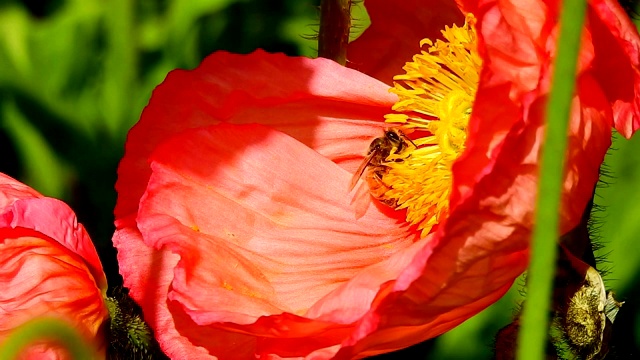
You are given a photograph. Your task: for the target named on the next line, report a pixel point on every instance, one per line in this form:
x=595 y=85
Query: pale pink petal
x=265 y=226
x=332 y=109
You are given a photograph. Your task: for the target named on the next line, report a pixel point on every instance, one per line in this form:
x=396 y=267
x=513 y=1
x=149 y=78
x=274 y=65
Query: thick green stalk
x=535 y=317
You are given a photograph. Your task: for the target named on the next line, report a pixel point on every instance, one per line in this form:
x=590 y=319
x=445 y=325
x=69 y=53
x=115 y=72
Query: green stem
x=535 y=317
x=50 y=330
x=335 y=24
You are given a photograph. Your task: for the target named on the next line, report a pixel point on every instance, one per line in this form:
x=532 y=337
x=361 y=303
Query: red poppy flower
x=236 y=230
x=48 y=267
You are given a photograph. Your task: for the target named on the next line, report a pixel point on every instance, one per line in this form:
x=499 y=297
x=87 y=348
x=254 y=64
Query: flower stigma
x=436 y=96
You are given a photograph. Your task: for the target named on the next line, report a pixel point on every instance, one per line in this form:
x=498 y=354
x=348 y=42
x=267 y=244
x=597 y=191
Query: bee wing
x=358 y=174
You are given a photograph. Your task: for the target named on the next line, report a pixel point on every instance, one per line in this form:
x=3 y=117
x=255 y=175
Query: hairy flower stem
x=335 y=23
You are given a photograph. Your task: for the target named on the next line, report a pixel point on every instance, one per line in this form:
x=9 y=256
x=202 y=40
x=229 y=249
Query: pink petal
x=337 y=104
x=334 y=110
x=152 y=272
x=274 y=222
x=12 y=190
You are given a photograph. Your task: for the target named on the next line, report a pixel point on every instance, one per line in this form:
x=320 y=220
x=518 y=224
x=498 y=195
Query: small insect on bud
x=586 y=318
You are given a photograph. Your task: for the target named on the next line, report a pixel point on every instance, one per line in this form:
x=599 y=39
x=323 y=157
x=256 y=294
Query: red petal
x=334 y=110
x=395 y=33
x=483 y=245
x=617 y=68
x=40 y=277
x=589 y=139
x=280 y=236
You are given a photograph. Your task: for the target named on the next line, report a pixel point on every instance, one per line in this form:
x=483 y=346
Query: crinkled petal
x=515 y=87
x=521 y=33
x=617 y=68
x=395 y=33
x=483 y=246
x=56 y=220
x=41 y=277
x=264 y=227
x=24 y=207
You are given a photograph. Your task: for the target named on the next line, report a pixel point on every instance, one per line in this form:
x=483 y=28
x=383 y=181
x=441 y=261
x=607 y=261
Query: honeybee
x=373 y=166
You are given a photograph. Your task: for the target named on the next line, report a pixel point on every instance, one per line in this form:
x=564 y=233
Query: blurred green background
x=75 y=75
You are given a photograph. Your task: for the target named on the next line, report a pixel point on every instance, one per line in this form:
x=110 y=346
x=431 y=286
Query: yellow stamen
x=436 y=96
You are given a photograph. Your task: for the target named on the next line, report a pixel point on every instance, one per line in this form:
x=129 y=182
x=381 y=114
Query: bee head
x=393 y=137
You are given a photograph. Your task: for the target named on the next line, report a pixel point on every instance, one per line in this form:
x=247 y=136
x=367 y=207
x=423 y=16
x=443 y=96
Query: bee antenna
x=408 y=138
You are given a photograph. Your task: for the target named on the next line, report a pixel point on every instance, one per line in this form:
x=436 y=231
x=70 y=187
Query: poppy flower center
x=436 y=96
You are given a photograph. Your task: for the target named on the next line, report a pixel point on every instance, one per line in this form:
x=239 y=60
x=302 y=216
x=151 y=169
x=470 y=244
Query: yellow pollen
x=227 y=286
x=435 y=97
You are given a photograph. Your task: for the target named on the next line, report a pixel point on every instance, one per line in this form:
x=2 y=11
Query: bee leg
x=379 y=188
x=392 y=203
